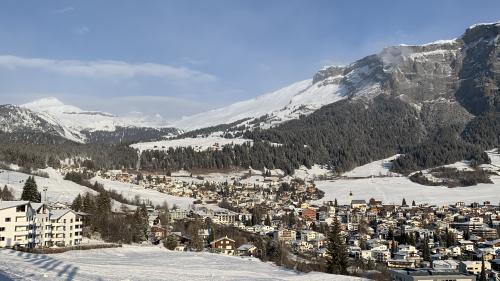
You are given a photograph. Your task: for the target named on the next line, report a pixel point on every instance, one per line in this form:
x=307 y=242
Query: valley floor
x=392 y=188
x=144 y=263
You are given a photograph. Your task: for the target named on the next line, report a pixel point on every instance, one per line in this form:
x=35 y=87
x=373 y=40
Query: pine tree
x=6 y=194
x=413 y=203
x=30 y=191
x=268 y=220
x=337 y=257
x=170 y=243
x=404 y=202
x=77 y=204
x=426 y=251
x=482 y=276
x=141 y=223
x=88 y=203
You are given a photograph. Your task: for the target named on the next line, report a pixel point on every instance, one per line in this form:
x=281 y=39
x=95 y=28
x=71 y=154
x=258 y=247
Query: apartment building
x=17 y=225
x=27 y=224
x=67 y=227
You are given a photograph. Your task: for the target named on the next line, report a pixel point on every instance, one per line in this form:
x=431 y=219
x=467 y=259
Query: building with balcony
x=27 y=224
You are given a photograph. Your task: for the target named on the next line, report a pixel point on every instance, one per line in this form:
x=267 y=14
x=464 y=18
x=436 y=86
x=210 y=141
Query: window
x=2 y=238
x=2 y=229
x=7 y=219
x=21 y=209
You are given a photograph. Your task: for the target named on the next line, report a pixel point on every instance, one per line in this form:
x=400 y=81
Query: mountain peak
x=50 y=104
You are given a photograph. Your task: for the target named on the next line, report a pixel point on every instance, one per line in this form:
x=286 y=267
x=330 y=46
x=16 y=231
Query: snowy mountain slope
x=414 y=73
x=50 y=120
x=286 y=103
x=80 y=120
x=58 y=189
x=145 y=263
x=14 y=119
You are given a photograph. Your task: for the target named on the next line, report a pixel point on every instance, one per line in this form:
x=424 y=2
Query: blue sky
x=180 y=57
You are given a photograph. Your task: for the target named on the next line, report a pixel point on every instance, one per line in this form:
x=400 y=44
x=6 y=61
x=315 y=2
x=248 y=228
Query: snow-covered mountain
x=50 y=120
x=81 y=120
x=284 y=104
x=17 y=122
x=444 y=73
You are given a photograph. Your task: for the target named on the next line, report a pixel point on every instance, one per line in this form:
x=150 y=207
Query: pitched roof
x=222 y=238
x=10 y=204
x=56 y=214
x=37 y=206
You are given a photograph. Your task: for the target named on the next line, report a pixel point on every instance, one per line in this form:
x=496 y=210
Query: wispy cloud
x=81 y=30
x=105 y=69
x=63 y=10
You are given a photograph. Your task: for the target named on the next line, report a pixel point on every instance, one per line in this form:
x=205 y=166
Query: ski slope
x=144 y=263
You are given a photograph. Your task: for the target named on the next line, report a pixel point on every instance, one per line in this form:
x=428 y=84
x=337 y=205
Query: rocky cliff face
x=465 y=70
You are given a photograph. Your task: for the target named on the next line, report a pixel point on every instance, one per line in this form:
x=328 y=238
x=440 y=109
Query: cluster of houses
x=373 y=230
x=27 y=224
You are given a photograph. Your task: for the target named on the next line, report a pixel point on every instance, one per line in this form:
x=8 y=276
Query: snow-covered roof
x=56 y=214
x=10 y=204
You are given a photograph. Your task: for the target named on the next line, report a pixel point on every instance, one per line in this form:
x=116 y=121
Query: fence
x=65 y=249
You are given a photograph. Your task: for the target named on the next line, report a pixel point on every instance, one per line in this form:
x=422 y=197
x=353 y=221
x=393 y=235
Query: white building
x=17 y=225
x=27 y=224
x=67 y=227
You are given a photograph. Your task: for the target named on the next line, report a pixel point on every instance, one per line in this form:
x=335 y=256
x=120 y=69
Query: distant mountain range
x=449 y=81
x=387 y=103
x=51 y=117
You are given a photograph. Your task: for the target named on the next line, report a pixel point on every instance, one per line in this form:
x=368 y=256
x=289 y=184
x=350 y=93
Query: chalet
x=246 y=250
x=224 y=245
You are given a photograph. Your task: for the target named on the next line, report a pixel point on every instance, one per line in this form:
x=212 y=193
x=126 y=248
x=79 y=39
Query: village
x=233 y=217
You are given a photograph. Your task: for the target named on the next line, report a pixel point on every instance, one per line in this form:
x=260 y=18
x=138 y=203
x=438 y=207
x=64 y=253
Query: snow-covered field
x=394 y=189
x=376 y=168
x=198 y=144
x=143 y=263
x=58 y=189
x=131 y=190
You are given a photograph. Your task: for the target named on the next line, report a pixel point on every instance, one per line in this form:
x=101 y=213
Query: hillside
x=144 y=263
x=435 y=103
